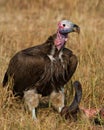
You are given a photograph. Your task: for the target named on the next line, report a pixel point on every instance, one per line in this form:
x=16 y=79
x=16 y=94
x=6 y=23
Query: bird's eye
x=64 y=25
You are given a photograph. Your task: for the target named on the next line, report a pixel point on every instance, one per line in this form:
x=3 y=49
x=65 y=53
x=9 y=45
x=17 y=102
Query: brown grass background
x=25 y=23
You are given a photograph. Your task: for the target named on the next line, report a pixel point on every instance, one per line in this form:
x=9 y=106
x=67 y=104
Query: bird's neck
x=60 y=40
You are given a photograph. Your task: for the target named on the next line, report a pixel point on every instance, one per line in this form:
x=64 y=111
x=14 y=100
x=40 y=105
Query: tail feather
x=5 y=80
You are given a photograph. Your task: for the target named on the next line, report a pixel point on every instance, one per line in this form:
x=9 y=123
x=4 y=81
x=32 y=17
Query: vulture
x=43 y=69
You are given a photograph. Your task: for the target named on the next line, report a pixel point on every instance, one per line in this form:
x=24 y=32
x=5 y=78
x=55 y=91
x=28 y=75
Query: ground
x=27 y=23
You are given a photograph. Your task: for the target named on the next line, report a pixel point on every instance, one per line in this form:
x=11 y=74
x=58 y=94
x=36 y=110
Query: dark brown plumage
x=44 y=68
x=31 y=68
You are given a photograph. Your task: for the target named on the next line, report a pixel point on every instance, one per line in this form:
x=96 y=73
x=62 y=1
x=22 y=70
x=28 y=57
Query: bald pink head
x=64 y=27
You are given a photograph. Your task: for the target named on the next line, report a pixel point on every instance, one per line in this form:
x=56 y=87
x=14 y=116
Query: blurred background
x=25 y=23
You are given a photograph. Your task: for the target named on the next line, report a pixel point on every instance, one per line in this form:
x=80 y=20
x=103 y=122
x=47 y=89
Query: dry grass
x=25 y=23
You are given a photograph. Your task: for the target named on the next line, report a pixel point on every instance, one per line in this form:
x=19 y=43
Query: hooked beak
x=76 y=28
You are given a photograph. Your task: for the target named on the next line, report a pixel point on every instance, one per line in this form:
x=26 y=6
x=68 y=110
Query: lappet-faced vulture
x=44 y=69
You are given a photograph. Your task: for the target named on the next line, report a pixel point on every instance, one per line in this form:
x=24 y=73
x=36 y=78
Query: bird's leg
x=62 y=96
x=34 y=114
x=32 y=100
x=57 y=100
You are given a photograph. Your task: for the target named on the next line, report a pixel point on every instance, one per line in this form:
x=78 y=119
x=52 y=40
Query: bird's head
x=65 y=27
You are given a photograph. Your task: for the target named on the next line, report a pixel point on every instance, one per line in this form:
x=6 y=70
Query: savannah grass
x=25 y=23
